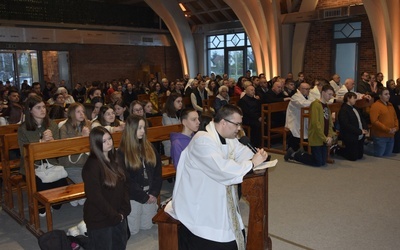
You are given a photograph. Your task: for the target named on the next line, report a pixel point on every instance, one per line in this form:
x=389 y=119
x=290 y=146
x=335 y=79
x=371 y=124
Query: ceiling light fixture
x=182 y=7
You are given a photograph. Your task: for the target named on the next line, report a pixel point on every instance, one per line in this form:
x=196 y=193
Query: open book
x=266 y=164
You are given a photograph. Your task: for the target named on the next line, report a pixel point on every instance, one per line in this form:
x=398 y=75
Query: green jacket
x=316 y=136
x=25 y=137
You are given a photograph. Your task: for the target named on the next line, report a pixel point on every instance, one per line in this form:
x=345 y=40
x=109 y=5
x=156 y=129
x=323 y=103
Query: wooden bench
x=6 y=129
x=267 y=111
x=12 y=180
x=254 y=191
x=156 y=121
x=64 y=147
x=186 y=102
x=14 y=165
x=208 y=105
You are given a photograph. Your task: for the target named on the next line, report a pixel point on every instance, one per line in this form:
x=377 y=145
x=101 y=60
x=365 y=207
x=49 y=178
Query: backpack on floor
x=54 y=240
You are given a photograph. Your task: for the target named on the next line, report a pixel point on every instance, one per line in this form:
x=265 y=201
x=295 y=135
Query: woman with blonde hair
x=143 y=164
x=75 y=125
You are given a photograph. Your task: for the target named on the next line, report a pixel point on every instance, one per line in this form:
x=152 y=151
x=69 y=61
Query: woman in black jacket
x=143 y=164
x=107 y=194
x=353 y=129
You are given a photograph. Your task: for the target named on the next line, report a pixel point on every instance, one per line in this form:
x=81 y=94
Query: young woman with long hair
x=136 y=108
x=121 y=110
x=97 y=103
x=75 y=125
x=38 y=128
x=170 y=116
x=106 y=118
x=148 y=109
x=107 y=194
x=143 y=164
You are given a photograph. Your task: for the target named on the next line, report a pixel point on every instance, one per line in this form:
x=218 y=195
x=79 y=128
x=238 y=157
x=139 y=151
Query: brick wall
x=319 y=52
x=107 y=62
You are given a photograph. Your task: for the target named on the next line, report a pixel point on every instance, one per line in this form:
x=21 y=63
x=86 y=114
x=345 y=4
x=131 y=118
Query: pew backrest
x=156 y=121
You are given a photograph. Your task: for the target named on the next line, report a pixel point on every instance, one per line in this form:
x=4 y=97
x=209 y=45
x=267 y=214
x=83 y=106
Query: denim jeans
x=109 y=238
x=383 y=146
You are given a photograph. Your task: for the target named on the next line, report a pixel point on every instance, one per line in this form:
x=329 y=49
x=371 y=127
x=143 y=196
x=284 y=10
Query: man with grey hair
x=165 y=86
x=299 y=100
x=335 y=82
x=222 y=98
x=348 y=86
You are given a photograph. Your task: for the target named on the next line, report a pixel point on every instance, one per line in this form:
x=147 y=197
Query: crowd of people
x=252 y=91
x=122 y=185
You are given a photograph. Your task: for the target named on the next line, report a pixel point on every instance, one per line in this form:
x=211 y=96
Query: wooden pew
x=12 y=180
x=6 y=129
x=156 y=121
x=267 y=110
x=10 y=129
x=186 y=102
x=255 y=191
x=208 y=104
x=64 y=147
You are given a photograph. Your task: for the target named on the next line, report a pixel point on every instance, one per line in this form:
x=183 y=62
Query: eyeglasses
x=239 y=124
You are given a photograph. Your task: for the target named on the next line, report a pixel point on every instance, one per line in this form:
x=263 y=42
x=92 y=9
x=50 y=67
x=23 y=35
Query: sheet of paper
x=267 y=164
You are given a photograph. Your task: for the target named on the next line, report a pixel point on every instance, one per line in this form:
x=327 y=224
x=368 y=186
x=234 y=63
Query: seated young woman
x=75 y=125
x=121 y=111
x=148 y=109
x=171 y=114
x=38 y=128
x=97 y=103
x=106 y=118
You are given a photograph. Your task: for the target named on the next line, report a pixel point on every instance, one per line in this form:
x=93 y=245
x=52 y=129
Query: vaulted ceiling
x=197 y=12
x=206 y=12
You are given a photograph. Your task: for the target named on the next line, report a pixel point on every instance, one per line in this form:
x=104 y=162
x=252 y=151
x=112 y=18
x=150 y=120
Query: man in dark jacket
x=251 y=108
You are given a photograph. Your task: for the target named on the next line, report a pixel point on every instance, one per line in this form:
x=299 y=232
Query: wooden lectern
x=255 y=191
